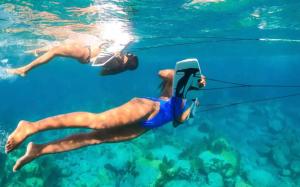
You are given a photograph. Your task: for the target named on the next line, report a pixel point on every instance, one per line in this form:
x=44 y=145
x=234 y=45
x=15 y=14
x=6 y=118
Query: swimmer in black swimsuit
x=118 y=62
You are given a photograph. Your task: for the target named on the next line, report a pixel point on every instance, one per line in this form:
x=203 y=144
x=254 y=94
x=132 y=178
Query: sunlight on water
x=4 y=65
x=111 y=26
x=233 y=139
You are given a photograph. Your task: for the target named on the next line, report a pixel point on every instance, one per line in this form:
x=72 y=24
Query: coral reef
x=215 y=180
x=196 y=155
x=220 y=160
x=39 y=173
x=121 y=174
x=261 y=178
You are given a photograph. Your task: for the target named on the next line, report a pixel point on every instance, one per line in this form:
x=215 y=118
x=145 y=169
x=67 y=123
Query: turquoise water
x=248 y=42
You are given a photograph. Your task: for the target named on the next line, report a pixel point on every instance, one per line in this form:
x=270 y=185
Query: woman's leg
x=131 y=112
x=67 y=50
x=37 y=51
x=78 y=141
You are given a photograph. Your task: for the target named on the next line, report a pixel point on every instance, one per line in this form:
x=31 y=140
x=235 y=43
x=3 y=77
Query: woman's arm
x=166 y=85
x=166 y=74
x=186 y=114
x=182 y=118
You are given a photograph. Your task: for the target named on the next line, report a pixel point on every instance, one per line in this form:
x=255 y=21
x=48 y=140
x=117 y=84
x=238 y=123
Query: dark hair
x=133 y=61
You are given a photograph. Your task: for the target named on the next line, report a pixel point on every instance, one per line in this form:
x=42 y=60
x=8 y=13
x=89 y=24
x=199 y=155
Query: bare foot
x=17 y=71
x=18 y=136
x=31 y=153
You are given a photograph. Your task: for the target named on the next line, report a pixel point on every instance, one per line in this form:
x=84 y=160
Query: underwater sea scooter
x=185 y=82
x=187 y=74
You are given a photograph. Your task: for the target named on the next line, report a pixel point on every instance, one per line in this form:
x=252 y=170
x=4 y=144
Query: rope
x=216 y=39
x=251 y=85
x=183 y=44
x=248 y=102
x=241 y=85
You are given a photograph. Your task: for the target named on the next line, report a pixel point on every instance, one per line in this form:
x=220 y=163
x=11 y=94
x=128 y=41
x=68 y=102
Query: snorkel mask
x=128 y=54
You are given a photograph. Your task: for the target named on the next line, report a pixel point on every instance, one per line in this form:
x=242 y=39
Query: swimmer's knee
x=97 y=137
x=96 y=141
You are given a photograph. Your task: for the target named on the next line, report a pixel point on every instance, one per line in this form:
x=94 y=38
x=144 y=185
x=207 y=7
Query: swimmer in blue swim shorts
x=125 y=122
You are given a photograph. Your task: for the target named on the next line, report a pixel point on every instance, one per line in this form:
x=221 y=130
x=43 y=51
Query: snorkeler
x=122 y=123
x=111 y=60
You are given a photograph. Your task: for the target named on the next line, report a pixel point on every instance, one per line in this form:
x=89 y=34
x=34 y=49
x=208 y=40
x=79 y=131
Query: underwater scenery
x=245 y=132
